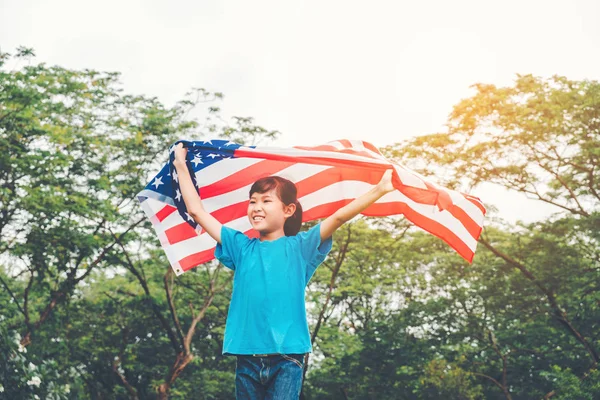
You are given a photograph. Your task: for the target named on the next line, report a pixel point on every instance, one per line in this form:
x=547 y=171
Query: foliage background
x=90 y=309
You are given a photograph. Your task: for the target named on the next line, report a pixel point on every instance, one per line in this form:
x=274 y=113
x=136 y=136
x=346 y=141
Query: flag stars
x=197 y=160
x=175 y=176
x=212 y=155
x=189 y=217
x=178 y=197
x=207 y=141
x=158 y=181
x=229 y=143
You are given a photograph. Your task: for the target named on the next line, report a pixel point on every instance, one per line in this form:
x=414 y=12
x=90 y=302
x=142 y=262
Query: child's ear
x=289 y=210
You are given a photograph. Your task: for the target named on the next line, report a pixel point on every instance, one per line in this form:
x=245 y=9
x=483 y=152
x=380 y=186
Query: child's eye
x=267 y=201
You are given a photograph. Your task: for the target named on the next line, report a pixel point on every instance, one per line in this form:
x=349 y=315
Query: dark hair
x=287 y=192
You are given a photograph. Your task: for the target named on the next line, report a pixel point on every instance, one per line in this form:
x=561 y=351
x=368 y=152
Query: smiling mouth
x=257 y=219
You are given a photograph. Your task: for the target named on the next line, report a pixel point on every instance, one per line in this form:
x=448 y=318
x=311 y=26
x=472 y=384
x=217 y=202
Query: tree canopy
x=92 y=310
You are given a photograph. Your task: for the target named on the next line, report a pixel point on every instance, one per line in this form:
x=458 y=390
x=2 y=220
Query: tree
x=75 y=152
x=541 y=138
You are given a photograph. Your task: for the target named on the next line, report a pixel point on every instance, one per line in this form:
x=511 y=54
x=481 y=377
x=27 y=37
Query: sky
x=318 y=71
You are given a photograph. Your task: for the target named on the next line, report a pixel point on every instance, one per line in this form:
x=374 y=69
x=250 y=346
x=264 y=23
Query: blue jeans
x=277 y=377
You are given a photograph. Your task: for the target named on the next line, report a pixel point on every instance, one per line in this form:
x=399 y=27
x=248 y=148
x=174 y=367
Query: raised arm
x=350 y=210
x=192 y=200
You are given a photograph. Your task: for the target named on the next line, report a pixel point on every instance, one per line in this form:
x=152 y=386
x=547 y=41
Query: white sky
x=318 y=71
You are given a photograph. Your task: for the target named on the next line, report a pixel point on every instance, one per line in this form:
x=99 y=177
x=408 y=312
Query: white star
x=229 y=143
x=175 y=176
x=190 y=218
x=178 y=195
x=158 y=181
x=207 y=141
x=212 y=155
x=197 y=160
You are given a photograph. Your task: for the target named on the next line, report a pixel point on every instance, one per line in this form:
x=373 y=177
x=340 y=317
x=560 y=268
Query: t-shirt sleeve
x=313 y=251
x=230 y=249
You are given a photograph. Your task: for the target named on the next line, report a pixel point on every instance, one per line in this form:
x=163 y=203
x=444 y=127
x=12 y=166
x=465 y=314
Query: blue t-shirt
x=267 y=313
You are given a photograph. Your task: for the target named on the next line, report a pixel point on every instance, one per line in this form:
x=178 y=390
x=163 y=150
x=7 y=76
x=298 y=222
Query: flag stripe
x=242 y=177
x=293 y=172
x=223 y=169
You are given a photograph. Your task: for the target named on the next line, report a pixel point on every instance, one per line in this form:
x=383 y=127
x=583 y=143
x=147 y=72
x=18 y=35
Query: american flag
x=328 y=177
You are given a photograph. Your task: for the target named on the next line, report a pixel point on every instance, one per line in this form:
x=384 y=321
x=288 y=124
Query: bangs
x=264 y=185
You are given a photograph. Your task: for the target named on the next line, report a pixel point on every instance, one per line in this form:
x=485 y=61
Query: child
x=266 y=326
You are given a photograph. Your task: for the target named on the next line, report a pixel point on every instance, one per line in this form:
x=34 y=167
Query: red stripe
x=339 y=162
x=475 y=201
x=345 y=142
x=231 y=212
x=334 y=149
x=358 y=153
x=431 y=226
x=470 y=225
x=164 y=212
x=180 y=232
x=324 y=210
x=371 y=147
x=244 y=177
x=333 y=175
x=323 y=147
x=201 y=257
x=419 y=195
x=193 y=260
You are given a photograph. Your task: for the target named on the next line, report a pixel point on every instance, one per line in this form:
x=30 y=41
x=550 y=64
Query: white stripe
x=316 y=155
x=301 y=171
x=471 y=209
x=337 y=144
x=443 y=217
x=294 y=173
x=204 y=242
x=222 y=169
x=215 y=203
x=198 y=244
x=409 y=179
x=358 y=145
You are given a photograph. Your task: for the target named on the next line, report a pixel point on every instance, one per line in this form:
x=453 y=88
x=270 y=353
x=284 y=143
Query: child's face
x=267 y=213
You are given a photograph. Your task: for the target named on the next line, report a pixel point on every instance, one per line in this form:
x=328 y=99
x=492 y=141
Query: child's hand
x=180 y=153
x=385 y=184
